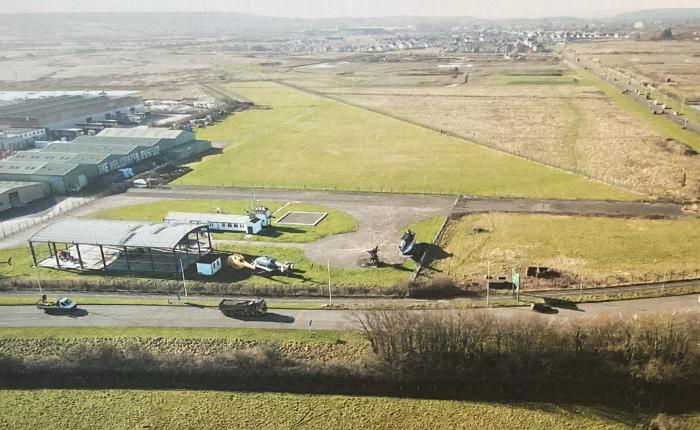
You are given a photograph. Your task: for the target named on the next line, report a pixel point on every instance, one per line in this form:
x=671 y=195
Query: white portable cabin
x=219 y=222
x=208 y=265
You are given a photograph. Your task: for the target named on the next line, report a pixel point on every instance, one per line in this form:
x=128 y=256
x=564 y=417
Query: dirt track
x=467 y=205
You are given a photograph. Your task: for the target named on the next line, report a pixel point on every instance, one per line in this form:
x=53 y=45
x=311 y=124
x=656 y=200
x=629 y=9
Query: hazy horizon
x=503 y=9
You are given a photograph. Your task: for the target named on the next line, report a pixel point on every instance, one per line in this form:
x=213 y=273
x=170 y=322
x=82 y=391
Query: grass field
x=336 y=222
x=594 y=248
x=525 y=109
x=659 y=123
x=129 y=409
x=305 y=141
x=653 y=62
x=308 y=272
x=427 y=229
x=317 y=273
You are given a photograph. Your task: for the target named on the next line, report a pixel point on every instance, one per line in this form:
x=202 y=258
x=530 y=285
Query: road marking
x=285 y=205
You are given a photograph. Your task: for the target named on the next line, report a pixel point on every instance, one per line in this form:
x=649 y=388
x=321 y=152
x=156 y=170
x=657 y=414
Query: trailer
x=60 y=306
x=249 y=307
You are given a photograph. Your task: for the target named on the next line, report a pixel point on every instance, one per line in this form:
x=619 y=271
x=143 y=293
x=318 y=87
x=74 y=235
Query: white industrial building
x=17 y=194
x=219 y=222
x=13 y=139
x=67 y=111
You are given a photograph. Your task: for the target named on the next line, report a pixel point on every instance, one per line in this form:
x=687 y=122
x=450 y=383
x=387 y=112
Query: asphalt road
x=167 y=316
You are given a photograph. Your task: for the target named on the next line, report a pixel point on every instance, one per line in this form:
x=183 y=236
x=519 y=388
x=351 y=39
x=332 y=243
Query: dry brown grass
x=652 y=61
x=575 y=127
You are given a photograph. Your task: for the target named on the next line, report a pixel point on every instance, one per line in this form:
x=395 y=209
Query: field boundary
x=436 y=239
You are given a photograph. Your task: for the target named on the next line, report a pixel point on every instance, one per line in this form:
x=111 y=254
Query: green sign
x=515 y=279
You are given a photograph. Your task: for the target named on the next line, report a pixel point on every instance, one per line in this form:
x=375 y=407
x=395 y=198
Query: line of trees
x=649 y=359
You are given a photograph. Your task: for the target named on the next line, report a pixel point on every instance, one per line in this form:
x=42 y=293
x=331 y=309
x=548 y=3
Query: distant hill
x=677 y=14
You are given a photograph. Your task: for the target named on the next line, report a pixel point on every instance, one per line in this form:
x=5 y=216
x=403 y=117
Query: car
x=246 y=307
x=543 y=308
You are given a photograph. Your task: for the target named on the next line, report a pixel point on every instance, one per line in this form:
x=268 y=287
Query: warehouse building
x=62 y=177
x=13 y=139
x=67 y=111
x=170 y=137
x=17 y=194
x=99 y=158
x=119 y=246
x=115 y=156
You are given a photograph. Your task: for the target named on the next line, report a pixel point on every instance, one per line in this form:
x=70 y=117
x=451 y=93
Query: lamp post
x=184 y=284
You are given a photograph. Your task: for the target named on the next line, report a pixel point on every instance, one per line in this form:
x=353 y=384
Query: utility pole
x=184 y=284
x=663 y=284
x=683 y=105
x=330 y=293
x=580 y=290
x=488 y=281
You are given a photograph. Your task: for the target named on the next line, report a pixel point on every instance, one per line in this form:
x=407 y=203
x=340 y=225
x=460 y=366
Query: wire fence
x=11 y=227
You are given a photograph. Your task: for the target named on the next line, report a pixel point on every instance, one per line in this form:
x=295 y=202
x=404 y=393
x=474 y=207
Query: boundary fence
x=13 y=226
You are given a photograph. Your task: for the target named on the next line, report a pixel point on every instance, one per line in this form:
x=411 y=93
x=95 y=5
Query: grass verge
x=596 y=248
x=275 y=335
x=307 y=273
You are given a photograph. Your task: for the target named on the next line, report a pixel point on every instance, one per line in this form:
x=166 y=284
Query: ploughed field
x=298 y=140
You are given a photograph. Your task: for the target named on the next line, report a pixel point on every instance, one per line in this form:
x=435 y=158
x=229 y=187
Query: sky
x=494 y=9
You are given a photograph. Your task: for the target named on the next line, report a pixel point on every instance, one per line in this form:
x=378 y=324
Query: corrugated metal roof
x=115 y=233
x=206 y=218
x=36 y=168
x=114 y=140
x=95 y=148
x=142 y=132
x=65 y=105
x=6 y=186
x=60 y=157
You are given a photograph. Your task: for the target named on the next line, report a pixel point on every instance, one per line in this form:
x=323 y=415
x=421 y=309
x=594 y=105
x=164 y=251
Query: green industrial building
x=70 y=166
